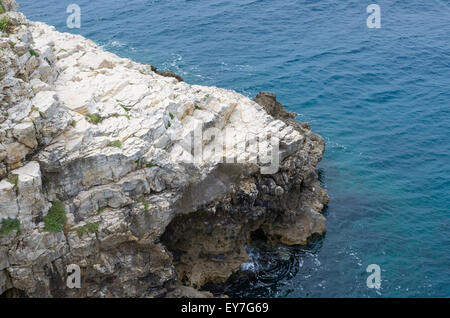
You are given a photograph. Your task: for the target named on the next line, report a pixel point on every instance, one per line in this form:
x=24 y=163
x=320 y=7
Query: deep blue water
x=380 y=98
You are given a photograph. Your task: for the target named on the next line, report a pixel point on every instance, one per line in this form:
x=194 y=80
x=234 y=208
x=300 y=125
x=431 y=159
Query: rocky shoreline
x=99 y=167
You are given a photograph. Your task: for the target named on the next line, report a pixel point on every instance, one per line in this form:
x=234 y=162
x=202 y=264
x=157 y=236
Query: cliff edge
x=152 y=186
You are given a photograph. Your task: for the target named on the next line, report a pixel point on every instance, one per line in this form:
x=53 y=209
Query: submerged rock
x=145 y=182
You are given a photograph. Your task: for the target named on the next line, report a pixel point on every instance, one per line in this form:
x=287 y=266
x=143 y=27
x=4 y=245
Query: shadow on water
x=269 y=267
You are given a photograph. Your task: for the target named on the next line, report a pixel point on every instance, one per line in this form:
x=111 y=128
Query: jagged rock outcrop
x=146 y=182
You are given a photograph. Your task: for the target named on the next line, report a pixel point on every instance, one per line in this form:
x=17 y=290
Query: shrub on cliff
x=116 y=144
x=33 y=53
x=55 y=220
x=88 y=228
x=5 y=25
x=9 y=225
x=94 y=119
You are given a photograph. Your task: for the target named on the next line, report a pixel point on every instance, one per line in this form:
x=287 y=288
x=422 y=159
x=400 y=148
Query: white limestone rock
x=8 y=200
x=9 y=5
x=30 y=198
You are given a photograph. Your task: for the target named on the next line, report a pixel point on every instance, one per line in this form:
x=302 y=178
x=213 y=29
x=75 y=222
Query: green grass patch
x=198 y=107
x=1 y=9
x=94 y=119
x=100 y=210
x=88 y=228
x=45 y=181
x=116 y=144
x=92 y=227
x=12 y=44
x=146 y=204
x=13 y=179
x=171 y=116
x=56 y=218
x=151 y=165
x=169 y=124
x=9 y=225
x=125 y=108
x=5 y=25
x=81 y=230
x=33 y=53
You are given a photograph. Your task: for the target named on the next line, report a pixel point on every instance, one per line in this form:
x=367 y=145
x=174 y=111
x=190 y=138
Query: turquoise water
x=380 y=98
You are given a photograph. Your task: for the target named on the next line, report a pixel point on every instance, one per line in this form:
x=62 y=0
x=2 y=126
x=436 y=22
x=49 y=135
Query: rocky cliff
x=152 y=186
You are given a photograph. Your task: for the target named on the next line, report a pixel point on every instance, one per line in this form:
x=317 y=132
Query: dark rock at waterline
x=167 y=74
x=277 y=110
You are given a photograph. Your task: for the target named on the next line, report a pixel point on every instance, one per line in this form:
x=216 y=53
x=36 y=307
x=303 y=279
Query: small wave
x=114 y=44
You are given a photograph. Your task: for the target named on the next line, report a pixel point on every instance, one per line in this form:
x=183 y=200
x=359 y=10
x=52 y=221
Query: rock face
x=152 y=186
